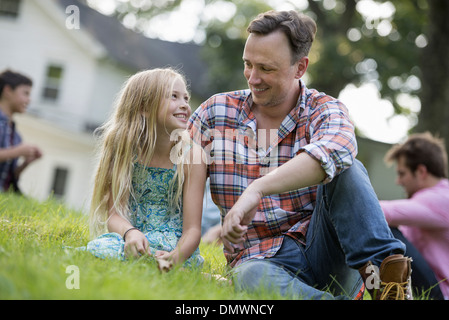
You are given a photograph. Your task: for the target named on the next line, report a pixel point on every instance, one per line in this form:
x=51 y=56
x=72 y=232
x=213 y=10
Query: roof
x=138 y=52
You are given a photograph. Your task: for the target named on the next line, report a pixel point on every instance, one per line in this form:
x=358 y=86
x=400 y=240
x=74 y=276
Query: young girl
x=138 y=194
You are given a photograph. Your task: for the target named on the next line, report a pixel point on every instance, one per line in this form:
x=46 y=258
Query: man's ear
x=421 y=171
x=302 y=65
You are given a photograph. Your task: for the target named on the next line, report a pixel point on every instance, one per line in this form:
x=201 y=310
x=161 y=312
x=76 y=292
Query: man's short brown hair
x=299 y=29
x=422 y=148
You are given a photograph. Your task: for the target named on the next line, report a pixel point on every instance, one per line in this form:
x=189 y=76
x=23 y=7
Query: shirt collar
x=247 y=115
x=248 y=119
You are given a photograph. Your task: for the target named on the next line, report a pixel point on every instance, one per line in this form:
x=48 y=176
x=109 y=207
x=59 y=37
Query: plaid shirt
x=8 y=138
x=226 y=128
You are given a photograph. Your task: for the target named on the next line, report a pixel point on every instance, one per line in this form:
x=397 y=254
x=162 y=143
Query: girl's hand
x=160 y=254
x=136 y=244
x=164 y=260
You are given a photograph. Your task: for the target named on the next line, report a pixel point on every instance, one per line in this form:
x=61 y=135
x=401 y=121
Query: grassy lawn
x=38 y=261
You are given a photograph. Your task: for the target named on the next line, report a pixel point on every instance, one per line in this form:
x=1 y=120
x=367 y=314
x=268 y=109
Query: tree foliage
x=400 y=46
x=434 y=63
x=349 y=47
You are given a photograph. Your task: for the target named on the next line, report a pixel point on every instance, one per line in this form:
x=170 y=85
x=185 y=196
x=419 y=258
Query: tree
x=224 y=46
x=400 y=46
x=434 y=65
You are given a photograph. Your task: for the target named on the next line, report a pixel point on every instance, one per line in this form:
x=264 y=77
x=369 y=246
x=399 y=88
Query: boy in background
x=15 y=90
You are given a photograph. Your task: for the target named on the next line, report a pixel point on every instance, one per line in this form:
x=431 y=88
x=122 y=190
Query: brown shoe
x=391 y=281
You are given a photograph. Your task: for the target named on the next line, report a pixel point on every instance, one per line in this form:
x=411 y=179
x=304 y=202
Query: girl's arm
x=136 y=244
x=193 y=192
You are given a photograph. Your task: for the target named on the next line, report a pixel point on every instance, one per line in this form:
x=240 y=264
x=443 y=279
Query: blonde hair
x=129 y=136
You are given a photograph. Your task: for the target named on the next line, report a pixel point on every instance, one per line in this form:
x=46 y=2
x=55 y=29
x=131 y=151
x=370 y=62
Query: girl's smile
x=178 y=112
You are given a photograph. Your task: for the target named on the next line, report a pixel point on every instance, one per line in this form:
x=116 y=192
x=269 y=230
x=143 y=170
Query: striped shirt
x=226 y=129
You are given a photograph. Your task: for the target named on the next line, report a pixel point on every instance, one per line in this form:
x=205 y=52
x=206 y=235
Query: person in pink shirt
x=422 y=220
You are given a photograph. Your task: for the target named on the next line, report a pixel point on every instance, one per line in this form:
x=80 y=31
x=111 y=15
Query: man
x=300 y=215
x=423 y=218
x=15 y=91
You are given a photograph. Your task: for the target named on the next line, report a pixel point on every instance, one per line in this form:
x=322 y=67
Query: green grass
x=36 y=257
x=37 y=241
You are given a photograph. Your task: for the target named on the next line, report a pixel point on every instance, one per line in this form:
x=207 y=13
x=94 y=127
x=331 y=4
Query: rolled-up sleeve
x=332 y=140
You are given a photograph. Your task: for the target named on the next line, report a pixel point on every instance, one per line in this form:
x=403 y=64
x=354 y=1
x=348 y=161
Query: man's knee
x=252 y=274
x=356 y=171
x=352 y=181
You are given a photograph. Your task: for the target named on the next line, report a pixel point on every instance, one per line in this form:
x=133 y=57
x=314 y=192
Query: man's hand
x=299 y=172
x=235 y=224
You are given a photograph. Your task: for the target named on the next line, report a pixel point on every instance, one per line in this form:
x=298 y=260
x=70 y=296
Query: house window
x=59 y=181
x=9 y=8
x=53 y=83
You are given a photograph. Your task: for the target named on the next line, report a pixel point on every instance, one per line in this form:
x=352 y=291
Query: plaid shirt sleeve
x=331 y=134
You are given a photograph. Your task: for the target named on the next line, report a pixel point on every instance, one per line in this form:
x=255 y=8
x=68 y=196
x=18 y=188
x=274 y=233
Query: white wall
x=75 y=152
x=109 y=79
x=38 y=38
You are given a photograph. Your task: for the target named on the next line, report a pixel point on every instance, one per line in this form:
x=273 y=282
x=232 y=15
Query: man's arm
x=415 y=213
x=299 y=172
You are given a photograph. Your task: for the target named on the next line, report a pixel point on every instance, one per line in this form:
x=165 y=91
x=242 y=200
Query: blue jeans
x=347 y=229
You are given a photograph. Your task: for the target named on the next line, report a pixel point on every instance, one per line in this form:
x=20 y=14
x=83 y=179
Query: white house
x=78 y=60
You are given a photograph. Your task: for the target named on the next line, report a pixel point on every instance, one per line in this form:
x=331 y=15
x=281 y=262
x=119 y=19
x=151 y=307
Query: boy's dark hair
x=422 y=148
x=13 y=80
x=299 y=29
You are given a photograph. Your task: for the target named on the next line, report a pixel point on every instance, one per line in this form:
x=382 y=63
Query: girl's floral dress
x=151 y=213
